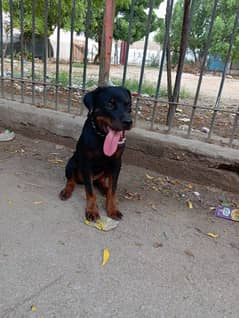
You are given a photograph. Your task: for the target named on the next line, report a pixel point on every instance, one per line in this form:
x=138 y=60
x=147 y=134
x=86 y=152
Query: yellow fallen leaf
x=33 y=308
x=149 y=177
x=38 y=202
x=213 y=235
x=86 y=222
x=10 y=202
x=106 y=255
x=212 y=208
x=190 y=205
x=55 y=161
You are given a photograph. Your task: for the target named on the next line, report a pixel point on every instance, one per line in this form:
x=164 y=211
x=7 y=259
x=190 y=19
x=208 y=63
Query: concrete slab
x=191 y=160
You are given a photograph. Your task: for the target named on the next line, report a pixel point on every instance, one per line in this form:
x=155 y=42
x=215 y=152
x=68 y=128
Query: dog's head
x=110 y=108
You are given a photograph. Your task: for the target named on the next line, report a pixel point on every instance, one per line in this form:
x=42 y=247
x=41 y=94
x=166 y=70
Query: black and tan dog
x=97 y=158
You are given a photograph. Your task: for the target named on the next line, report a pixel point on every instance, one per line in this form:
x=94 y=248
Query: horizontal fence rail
x=34 y=71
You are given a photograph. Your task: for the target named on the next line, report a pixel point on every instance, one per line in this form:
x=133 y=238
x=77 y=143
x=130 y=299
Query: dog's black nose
x=127 y=123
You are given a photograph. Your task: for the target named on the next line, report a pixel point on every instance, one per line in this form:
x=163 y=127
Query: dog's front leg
x=111 y=206
x=91 y=212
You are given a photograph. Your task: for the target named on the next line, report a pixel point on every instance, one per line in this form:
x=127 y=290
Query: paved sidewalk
x=162 y=262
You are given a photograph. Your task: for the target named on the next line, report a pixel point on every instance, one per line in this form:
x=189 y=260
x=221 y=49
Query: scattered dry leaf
x=190 y=205
x=157 y=245
x=149 y=177
x=38 y=202
x=213 y=235
x=153 y=207
x=155 y=188
x=189 y=253
x=106 y=255
x=56 y=161
x=33 y=308
x=132 y=195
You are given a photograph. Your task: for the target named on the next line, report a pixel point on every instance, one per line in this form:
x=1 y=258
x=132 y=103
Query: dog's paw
x=64 y=195
x=92 y=215
x=115 y=215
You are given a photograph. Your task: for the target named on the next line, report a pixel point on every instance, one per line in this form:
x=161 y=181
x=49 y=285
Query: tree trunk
x=106 y=45
x=183 y=48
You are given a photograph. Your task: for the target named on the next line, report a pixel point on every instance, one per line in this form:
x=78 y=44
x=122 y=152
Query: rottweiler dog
x=97 y=158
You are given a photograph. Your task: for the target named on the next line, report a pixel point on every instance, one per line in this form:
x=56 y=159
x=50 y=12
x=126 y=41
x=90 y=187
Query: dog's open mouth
x=112 y=140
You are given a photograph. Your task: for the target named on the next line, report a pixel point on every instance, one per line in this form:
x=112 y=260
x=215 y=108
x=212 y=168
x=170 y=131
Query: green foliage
x=96 y=18
x=222 y=29
x=121 y=22
x=40 y=10
x=139 y=20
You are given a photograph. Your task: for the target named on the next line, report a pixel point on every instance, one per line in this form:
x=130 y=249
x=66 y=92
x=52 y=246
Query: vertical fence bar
x=22 y=51
x=151 y=2
x=235 y=127
x=33 y=51
x=131 y=16
x=168 y=17
x=58 y=53
x=45 y=53
x=11 y=47
x=1 y=51
x=71 y=54
x=214 y=10
x=228 y=56
x=188 y=12
x=87 y=31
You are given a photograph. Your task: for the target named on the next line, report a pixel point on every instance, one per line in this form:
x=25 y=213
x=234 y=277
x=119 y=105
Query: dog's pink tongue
x=111 y=142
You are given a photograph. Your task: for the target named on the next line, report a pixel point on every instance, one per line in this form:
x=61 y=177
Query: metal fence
x=48 y=82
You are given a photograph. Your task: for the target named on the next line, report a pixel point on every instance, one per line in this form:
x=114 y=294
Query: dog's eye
x=111 y=105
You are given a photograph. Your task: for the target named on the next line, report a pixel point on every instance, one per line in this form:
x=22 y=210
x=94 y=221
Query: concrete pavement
x=162 y=262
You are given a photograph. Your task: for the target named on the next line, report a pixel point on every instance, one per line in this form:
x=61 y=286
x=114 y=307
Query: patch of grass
x=77 y=64
x=91 y=83
x=148 y=88
x=184 y=93
x=63 y=78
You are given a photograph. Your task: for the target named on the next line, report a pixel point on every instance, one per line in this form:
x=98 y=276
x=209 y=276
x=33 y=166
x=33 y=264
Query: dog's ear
x=129 y=92
x=89 y=101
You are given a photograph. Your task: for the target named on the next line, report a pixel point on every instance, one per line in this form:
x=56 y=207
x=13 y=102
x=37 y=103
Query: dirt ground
x=163 y=261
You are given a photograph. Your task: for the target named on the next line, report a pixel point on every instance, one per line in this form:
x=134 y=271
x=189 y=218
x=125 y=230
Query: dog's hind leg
x=111 y=206
x=102 y=184
x=71 y=182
